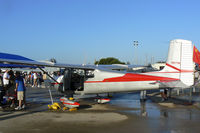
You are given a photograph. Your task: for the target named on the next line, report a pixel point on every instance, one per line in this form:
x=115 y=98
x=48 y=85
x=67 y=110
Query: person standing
x=11 y=86
x=6 y=78
x=163 y=93
x=20 y=88
x=35 y=77
x=196 y=76
x=40 y=79
x=2 y=92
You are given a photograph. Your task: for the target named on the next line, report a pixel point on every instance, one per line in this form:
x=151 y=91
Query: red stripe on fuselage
x=178 y=69
x=56 y=83
x=130 y=77
x=173 y=67
x=188 y=71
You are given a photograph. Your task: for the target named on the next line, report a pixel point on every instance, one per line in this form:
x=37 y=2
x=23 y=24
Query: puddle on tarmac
x=153 y=110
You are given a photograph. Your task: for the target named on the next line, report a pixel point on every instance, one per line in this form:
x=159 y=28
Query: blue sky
x=80 y=31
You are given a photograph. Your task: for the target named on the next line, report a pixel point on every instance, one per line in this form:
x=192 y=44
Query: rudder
x=180 y=61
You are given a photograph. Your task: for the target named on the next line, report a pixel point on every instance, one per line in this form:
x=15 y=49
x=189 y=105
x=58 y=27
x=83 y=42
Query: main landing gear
x=143 y=96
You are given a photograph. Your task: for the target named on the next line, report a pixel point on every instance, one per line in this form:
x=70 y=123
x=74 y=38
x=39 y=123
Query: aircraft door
x=67 y=82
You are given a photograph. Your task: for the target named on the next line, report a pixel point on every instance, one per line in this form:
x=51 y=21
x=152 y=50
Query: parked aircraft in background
x=83 y=79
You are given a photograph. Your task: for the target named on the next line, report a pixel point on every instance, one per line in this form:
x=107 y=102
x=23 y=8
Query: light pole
x=135 y=44
x=142 y=93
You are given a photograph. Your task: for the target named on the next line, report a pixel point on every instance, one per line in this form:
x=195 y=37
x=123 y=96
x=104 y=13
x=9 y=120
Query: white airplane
x=80 y=79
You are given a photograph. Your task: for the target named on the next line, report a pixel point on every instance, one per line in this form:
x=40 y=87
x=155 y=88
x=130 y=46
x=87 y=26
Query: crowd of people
x=15 y=83
x=34 y=79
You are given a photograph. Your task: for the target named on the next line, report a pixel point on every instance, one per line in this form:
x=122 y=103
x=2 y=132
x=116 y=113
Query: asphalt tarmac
x=125 y=113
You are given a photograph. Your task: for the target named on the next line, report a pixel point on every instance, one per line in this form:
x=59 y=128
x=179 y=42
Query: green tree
x=108 y=61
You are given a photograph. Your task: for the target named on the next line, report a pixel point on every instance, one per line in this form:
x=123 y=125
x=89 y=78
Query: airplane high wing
x=6 y=56
x=20 y=61
x=88 y=79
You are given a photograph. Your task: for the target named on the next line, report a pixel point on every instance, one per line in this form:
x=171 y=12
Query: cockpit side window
x=89 y=73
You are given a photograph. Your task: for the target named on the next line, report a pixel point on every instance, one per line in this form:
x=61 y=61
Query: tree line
x=109 y=61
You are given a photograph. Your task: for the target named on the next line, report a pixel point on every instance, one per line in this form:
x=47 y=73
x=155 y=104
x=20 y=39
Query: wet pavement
x=154 y=110
x=172 y=116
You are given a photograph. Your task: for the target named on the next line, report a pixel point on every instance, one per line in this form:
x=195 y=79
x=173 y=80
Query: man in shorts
x=20 y=88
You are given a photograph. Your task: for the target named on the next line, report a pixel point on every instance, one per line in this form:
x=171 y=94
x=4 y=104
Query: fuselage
x=114 y=81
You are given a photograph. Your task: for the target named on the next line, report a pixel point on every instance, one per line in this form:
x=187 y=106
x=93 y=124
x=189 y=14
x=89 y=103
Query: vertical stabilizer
x=180 y=61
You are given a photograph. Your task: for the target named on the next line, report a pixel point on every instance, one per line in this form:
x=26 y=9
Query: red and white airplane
x=79 y=79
